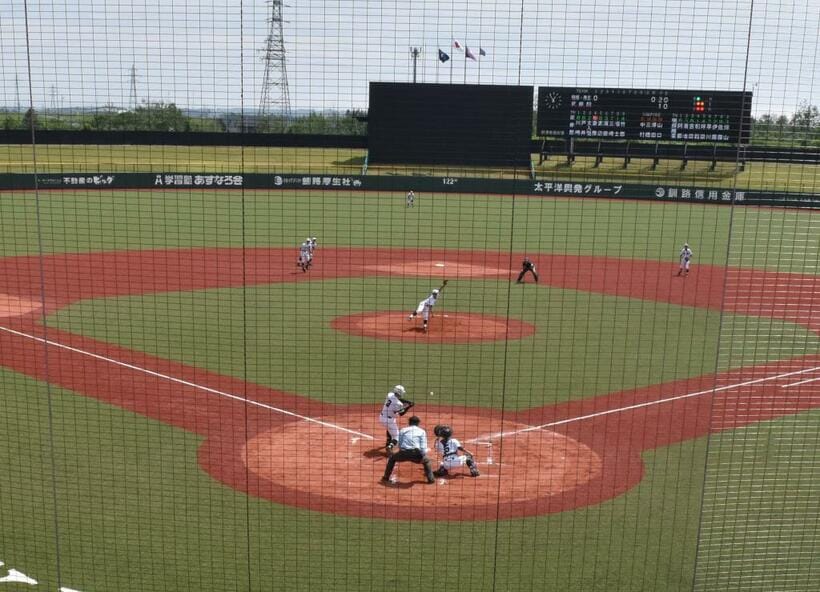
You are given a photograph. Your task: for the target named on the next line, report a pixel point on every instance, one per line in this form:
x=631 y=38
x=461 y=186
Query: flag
x=481 y=52
x=456 y=44
x=468 y=53
x=443 y=57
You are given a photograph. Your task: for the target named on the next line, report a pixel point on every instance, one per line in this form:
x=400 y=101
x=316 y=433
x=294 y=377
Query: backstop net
x=362 y=296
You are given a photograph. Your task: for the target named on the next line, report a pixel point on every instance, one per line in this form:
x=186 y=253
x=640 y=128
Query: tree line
x=167 y=117
x=800 y=129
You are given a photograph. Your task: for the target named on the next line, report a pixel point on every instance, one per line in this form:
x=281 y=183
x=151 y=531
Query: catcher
x=449 y=448
x=394 y=405
x=425 y=307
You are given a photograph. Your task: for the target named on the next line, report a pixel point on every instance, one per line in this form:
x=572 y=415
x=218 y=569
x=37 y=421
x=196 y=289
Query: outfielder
x=449 y=448
x=394 y=405
x=411 y=199
x=425 y=307
x=685 y=256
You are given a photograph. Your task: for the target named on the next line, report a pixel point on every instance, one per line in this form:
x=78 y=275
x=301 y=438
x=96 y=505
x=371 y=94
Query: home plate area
x=340 y=470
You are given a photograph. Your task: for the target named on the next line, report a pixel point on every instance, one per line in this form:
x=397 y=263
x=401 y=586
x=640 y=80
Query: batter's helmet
x=399 y=390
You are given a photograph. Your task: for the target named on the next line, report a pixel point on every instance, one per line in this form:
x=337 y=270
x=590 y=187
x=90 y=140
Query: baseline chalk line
x=187 y=383
x=551 y=424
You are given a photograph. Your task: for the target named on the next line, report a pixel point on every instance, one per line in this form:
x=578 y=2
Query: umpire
x=413 y=448
x=526 y=266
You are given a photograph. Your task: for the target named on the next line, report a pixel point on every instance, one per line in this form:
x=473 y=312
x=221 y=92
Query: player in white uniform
x=313 y=244
x=411 y=199
x=449 y=448
x=394 y=405
x=425 y=307
x=685 y=256
x=305 y=255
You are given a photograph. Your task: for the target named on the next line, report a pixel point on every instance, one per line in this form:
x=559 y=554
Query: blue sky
x=206 y=53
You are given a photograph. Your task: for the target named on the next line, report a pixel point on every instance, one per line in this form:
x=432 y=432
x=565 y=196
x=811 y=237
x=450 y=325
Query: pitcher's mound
x=449 y=327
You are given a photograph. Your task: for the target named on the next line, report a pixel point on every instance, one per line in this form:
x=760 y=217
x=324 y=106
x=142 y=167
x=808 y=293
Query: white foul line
x=187 y=383
x=640 y=405
x=801 y=382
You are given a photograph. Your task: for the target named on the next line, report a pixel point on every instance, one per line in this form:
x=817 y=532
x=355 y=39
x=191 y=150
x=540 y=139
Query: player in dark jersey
x=527 y=266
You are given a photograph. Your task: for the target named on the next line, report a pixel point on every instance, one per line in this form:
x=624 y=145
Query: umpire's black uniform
x=526 y=266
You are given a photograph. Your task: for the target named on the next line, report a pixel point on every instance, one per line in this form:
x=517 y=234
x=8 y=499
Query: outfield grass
x=131 y=510
x=52 y=158
x=778 y=240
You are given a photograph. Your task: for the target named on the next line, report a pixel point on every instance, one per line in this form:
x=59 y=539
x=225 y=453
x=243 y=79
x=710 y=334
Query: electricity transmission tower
x=275 y=94
x=132 y=90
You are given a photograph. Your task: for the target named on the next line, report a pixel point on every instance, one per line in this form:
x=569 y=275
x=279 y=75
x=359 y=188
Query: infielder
x=394 y=405
x=425 y=307
x=449 y=448
x=527 y=266
x=685 y=257
x=411 y=199
x=313 y=244
x=413 y=448
x=305 y=255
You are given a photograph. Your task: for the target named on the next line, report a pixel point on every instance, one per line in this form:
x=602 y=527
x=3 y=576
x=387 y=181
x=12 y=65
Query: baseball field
x=184 y=409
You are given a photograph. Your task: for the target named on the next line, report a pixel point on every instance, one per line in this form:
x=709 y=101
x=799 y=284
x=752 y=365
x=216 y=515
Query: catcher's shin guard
x=471 y=464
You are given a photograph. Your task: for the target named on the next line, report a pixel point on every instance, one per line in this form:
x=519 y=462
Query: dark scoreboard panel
x=449 y=124
x=643 y=114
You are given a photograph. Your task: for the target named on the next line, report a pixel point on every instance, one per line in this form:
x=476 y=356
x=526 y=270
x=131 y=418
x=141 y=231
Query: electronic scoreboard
x=643 y=114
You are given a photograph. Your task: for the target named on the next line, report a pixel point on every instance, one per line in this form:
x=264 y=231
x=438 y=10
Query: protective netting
x=584 y=237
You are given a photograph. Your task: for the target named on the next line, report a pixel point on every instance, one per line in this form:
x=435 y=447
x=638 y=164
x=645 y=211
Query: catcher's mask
x=443 y=431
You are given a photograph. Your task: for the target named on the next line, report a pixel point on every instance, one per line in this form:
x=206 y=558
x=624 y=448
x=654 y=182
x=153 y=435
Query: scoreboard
x=643 y=114
x=449 y=124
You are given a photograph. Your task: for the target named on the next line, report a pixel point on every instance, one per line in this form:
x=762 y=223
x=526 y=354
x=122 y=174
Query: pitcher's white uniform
x=390 y=411
x=448 y=449
x=426 y=305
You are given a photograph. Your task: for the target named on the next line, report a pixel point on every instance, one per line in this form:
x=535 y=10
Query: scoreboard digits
x=643 y=114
